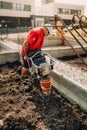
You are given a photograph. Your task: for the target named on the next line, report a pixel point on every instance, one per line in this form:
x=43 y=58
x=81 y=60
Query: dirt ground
x=24 y=107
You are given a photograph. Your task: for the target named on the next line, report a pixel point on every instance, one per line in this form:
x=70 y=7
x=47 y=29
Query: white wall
x=68 y=6
x=16 y=13
x=45 y=10
x=76 y=2
x=51 y=9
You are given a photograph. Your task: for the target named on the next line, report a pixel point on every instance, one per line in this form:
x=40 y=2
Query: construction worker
x=32 y=42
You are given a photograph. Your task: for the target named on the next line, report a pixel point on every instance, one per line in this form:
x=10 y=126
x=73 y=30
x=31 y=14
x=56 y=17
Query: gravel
x=74 y=72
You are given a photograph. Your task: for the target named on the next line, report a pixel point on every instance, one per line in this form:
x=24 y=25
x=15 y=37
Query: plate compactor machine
x=40 y=65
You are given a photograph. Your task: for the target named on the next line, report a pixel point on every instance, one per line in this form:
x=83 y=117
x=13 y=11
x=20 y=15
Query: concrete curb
x=70 y=89
x=53 y=49
x=9 y=57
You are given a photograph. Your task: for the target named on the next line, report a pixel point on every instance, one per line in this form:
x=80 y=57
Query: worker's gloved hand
x=26 y=58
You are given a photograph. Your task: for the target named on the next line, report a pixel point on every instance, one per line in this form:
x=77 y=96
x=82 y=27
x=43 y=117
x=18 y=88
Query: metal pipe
x=80 y=22
x=74 y=37
x=83 y=21
x=69 y=43
x=78 y=33
x=76 y=53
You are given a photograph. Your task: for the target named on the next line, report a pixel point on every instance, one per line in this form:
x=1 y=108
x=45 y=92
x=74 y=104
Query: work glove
x=26 y=57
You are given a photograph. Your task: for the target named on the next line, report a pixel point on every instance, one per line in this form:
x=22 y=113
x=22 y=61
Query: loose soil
x=24 y=107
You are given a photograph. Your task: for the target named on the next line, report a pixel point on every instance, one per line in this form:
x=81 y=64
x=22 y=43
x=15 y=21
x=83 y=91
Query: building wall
x=37 y=16
x=46 y=1
x=45 y=10
x=69 y=7
x=17 y=13
x=52 y=8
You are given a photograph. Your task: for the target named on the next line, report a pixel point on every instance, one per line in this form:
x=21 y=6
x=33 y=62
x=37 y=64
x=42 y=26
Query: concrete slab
x=11 y=45
x=71 y=82
x=60 y=51
x=9 y=57
x=70 y=89
x=9 y=52
x=55 y=50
